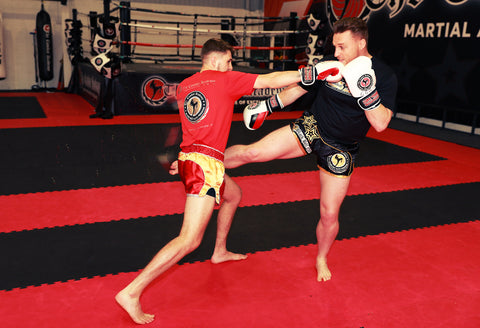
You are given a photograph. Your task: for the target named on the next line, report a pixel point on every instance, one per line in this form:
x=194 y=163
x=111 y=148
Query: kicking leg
x=198 y=211
x=279 y=144
x=333 y=191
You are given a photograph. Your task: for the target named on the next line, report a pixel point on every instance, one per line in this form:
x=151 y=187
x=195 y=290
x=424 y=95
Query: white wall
x=19 y=21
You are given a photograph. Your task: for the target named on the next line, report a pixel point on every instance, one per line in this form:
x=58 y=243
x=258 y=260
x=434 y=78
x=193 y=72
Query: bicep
x=276 y=79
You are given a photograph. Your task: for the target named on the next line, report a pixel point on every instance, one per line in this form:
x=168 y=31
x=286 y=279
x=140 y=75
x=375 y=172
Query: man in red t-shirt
x=205 y=101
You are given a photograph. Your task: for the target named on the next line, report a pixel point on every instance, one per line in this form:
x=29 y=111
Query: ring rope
x=186 y=23
x=98 y=15
x=162 y=27
x=170 y=22
x=156 y=45
x=158 y=57
x=183 y=29
x=203 y=15
x=160 y=45
x=172 y=33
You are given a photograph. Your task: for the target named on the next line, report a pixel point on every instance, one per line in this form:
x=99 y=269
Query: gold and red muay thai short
x=202 y=171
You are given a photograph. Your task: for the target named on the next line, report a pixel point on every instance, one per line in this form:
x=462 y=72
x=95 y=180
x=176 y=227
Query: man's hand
x=173 y=170
x=360 y=79
x=255 y=114
x=329 y=70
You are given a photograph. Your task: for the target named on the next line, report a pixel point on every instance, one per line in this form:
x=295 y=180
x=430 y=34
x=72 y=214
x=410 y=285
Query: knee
x=189 y=243
x=234 y=196
x=252 y=154
x=248 y=153
x=239 y=155
x=328 y=215
x=193 y=245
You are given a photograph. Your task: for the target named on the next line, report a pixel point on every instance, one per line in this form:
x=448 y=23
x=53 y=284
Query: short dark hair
x=215 y=45
x=353 y=24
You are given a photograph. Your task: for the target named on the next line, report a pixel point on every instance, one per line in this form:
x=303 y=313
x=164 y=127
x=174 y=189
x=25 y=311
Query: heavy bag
x=44 y=45
x=3 y=73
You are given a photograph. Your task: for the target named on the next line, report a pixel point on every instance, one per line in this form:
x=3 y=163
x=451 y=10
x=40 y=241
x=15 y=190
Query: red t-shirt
x=205 y=102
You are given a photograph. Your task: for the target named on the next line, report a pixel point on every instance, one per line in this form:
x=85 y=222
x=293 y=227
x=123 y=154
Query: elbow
x=380 y=127
x=380 y=119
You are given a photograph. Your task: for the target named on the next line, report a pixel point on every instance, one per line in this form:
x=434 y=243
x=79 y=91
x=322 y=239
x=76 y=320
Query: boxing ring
x=137 y=56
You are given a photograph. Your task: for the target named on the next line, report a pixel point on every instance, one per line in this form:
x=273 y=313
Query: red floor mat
x=125 y=202
x=64 y=109
x=419 y=278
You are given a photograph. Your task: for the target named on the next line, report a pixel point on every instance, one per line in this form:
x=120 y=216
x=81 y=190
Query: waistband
x=206 y=150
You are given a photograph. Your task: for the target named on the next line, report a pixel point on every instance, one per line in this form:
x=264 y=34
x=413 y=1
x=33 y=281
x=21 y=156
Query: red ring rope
x=198 y=46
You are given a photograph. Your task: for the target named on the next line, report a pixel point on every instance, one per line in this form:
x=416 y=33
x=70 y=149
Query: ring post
x=292 y=40
x=194 y=40
x=125 y=47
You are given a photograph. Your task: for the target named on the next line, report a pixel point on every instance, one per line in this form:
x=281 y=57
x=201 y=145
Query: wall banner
x=433 y=45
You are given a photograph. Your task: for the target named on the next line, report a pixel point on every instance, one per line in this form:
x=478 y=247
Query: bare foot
x=219 y=257
x=323 y=273
x=133 y=308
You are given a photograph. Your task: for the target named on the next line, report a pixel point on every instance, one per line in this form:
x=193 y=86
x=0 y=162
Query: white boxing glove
x=329 y=70
x=361 y=80
x=255 y=114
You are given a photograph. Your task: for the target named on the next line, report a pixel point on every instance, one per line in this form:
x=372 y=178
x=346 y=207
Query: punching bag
x=3 y=73
x=44 y=45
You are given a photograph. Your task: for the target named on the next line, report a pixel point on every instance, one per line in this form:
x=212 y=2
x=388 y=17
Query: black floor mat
x=58 y=254
x=20 y=107
x=62 y=158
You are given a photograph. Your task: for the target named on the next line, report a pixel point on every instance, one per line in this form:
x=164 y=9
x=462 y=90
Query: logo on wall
x=195 y=106
x=345 y=8
x=156 y=90
x=456 y=2
x=337 y=9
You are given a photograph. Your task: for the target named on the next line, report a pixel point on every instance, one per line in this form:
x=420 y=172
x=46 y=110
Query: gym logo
x=109 y=32
x=337 y=9
x=456 y=2
x=195 y=106
x=155 y=90
x=364 y=82
x=339 y=162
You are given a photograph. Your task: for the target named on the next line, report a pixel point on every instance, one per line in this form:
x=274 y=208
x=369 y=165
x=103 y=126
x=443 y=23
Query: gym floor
x=84 y=206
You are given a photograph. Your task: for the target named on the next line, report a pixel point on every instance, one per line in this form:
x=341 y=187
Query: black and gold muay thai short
x=333 y=157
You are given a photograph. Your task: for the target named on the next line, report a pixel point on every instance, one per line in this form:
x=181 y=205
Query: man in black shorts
x=340 y=116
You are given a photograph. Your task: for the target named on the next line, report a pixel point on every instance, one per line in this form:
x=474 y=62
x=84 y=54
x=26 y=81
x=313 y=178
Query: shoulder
x=378 y=64
x=383 y=71
x=232 y=76
x=190 y=78
x=236 y=78
x=237 y=74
